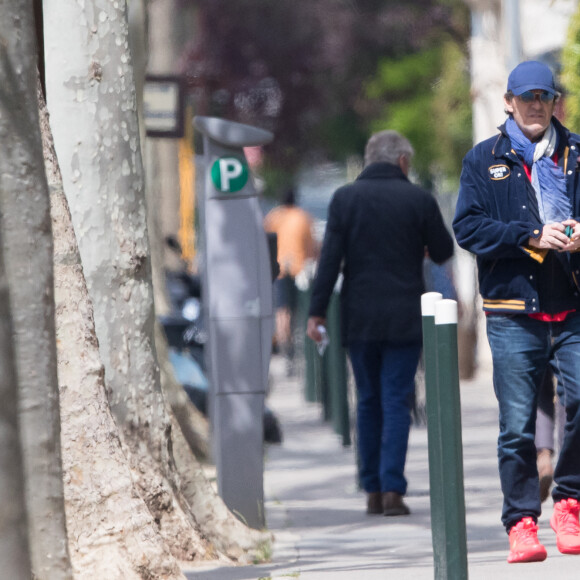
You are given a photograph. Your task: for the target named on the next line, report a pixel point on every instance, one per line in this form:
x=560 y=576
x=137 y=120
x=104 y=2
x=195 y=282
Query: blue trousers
x=522 y=349
x=385 y=382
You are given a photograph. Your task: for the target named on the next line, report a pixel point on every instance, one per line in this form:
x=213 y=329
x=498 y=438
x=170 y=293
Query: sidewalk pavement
x=317 y=514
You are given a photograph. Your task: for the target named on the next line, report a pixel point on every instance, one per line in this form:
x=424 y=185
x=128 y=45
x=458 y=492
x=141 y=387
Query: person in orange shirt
x=293 y=227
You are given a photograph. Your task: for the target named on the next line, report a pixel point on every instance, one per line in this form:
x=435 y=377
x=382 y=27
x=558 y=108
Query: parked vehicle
x=186 y=337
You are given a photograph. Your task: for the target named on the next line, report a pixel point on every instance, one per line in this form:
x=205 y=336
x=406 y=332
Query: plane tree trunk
x=91 y=100
x=111 y=532
x=27 y=253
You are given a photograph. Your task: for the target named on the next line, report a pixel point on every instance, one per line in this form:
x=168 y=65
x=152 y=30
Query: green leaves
x=571 y=72
x=426 y=97
x=400 y=76
x=323 y=75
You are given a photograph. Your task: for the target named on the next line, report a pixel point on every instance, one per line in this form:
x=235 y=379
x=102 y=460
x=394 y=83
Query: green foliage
x=452 y=112
x=263 y=553
x=322 y=75
x=342 y=135
x=571 y=72
x=276 y=179
x=412 y=118
x=425 y=96
x=409 y=74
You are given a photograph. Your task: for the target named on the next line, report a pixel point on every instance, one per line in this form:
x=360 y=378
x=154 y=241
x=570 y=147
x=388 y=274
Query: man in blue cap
x=517 y=211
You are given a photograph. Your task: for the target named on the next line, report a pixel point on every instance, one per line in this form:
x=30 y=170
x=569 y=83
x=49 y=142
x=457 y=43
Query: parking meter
x=237 y=297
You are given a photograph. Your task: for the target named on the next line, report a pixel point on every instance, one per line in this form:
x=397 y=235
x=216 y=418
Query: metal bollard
x=336 y=375
x=445 y=442
x=309 y=349
x=428 y=302
x=311 y=372
x=326 y=377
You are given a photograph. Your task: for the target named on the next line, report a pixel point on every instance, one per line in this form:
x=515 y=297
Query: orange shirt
x=296 y=244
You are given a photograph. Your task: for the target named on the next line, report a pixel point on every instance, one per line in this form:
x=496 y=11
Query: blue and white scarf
x=548 y=179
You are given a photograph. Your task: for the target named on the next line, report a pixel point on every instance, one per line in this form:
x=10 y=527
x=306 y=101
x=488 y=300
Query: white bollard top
x=446 y=312
x=428 y=301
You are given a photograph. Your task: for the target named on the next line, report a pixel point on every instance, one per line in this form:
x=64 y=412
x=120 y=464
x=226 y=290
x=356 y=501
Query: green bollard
x=324 y=388
x=326 y=376
x=310 y=354
x=311 y=372
x=433 y=399
x=336 y=375
x=454 y=563
x=444 y=433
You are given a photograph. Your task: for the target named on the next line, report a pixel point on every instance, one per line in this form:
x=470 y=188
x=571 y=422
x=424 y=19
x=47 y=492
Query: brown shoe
x=393 y=504
x=374 y=503
x=545 y=472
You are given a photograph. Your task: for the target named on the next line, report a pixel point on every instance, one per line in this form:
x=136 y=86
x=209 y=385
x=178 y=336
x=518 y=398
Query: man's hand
x=312 y=327
x=552 y=237
x=573 y=244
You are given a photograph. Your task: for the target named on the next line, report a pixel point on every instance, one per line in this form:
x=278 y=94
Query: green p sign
x=229 y=174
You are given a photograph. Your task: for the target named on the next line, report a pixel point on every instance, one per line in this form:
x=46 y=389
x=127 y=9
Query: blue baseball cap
x=531 y=75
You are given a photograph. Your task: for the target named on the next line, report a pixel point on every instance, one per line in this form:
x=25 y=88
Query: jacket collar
x=503 y=148
x=382 y=171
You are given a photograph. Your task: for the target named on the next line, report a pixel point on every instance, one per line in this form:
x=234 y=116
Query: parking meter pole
x=454 y=564
x=237 y=292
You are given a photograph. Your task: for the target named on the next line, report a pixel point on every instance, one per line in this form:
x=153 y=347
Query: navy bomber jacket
x=495 y=216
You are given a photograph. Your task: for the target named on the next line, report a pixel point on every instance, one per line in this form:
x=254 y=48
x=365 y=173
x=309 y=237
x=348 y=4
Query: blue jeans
x=522 y=349
x=385 y=381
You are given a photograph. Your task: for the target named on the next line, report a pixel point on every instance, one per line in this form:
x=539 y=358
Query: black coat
x=378 y=228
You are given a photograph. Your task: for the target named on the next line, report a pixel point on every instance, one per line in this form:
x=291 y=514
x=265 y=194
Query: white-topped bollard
x=445 y=312
x=428 y=301
x=444 y=432
x=436 y=471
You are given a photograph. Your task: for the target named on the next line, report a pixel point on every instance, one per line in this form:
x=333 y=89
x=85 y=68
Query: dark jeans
x=384 y=376
x=285 y=293
x=522 y=349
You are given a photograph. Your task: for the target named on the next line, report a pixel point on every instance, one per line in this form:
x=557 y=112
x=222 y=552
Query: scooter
x=186 y=337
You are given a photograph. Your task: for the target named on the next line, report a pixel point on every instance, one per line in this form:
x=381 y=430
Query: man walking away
x=378 y=230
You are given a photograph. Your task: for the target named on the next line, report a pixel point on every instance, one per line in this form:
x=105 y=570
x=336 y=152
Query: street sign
x=229 y=174
x=163 y=104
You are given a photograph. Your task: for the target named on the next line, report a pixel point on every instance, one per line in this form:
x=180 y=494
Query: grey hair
x=387 y=147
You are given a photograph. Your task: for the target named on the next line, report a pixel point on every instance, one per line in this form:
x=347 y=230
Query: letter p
x=230 y=168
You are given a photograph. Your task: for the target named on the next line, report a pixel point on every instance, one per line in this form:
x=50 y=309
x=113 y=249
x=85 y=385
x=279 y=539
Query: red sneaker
x=565 y=523
x=524 y=543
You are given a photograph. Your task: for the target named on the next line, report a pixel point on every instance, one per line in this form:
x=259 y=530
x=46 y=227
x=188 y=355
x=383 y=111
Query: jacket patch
x=498 y=172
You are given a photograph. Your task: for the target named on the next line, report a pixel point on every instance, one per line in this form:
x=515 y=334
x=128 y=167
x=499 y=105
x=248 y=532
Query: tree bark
x=162 y=175
x=14 y=553
x=192 y=422
x=98 y=485
x=92 y=104
x=27 y=241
